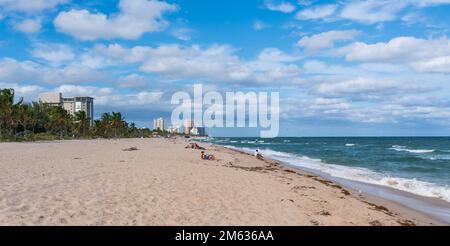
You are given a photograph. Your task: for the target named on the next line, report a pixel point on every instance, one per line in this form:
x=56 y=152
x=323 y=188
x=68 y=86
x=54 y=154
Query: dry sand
x=95 y=182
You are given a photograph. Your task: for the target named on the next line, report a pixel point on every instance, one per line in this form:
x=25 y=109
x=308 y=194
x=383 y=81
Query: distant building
x=191 y=129
x=174 y=129
x=201 y=131
x=198 y=131
x=159 y=124
x=194 y=131
x=77 y=104
x=70 y=104
x=188 y=126
x=51 y=98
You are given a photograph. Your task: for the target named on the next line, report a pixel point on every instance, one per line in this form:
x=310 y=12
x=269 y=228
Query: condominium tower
x=70 y=104
x=159 y=124
x=77 y=104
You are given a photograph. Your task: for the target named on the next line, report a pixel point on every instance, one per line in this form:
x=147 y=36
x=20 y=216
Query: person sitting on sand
x=258 y=155
x=208 y=157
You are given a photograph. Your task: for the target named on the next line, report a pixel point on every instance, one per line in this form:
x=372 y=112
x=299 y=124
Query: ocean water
x=419 y=165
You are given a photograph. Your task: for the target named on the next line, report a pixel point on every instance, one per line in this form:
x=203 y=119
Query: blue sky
x=343 y=68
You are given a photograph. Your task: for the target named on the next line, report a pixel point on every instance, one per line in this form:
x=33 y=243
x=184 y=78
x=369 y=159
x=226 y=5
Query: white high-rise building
x=76 y=104
x=159 y=124
x=188 y=126
x=70 y=104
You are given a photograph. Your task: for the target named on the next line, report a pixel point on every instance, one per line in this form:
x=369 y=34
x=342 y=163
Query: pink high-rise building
x=188 y=125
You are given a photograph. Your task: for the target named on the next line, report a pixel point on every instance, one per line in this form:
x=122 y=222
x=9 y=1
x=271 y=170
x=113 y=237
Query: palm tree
x=7 y=108
x=105 y=125
x=35 y=109
x=41 y=117
x=133 y=131
x=60 y=121
x=117 y=122
x=21 y=116
x=81 y=123
x=5 y=102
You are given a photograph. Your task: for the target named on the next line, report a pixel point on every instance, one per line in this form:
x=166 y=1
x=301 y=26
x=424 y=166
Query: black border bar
x=304 y=235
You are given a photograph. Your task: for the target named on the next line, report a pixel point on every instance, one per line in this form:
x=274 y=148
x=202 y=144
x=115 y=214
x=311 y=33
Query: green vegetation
x=21 y=121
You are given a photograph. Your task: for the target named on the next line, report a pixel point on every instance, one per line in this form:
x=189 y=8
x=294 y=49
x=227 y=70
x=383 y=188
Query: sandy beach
x=96 y=182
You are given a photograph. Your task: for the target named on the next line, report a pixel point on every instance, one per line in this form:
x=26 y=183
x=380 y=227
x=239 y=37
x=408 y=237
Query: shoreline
x=105 y=182
x=419 y=206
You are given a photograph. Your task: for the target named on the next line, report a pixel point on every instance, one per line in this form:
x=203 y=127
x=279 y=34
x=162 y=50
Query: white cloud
x=276 y=55
x=145 y=97
x=136 y=17
x=53 y=53
x=384 y=67
x=337 y=109
x=182 y=33
x=30 y=6
x=435 y=65
x=425 y=3
x=26 y=91
x=373 y=11
x=107 y=96
x=259 y=25
x=71 y=74
x=305 y=2
x=326 y=39
x=140 y=99
x=319 y=67
x=325 y=108
x=412 y=18
x=132 y=81
x=13 y=71
x=131 y=55
x=359 y=85
x=76 y=90
x=216 y=63
x=317 y=12
x=281 y=74
x=284 y=7
x=29 y=26
x=424 y=55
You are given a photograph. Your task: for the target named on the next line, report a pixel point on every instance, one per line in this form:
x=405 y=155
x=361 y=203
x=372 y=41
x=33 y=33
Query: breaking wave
x=360 y=174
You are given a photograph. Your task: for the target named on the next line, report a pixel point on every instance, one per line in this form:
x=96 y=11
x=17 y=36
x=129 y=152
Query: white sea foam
x=350 y=145
x=437 y=157
x=415 y=151
x=360 y=174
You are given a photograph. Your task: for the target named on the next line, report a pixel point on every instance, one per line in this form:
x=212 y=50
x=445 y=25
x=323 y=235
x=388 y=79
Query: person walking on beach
x=258 y=155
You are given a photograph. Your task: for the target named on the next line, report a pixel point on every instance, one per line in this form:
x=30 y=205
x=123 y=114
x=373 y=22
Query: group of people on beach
x=194 y=146
x=203 y=156
x=210 y=157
